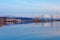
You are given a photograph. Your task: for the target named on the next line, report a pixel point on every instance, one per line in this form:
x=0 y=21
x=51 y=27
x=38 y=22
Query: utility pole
x=52 y=18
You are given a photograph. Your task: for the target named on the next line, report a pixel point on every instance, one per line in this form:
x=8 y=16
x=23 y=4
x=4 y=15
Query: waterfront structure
x=5 y=20
x=16 y=20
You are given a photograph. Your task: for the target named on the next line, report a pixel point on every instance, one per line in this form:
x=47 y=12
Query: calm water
x=31 y=31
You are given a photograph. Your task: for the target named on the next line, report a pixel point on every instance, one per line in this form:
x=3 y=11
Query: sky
x=29 y=8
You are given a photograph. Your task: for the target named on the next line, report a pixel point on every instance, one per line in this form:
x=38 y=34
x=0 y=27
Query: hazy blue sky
x=29 y=7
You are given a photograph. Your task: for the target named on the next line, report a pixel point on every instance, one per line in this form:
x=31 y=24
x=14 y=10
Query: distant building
x=2 y=19
x=13 y=20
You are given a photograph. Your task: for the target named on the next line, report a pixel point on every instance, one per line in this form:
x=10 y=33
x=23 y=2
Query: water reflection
x=30 y=30
x=47 y=24
x=1 y=25
x=44 y=24
x=10 y=23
